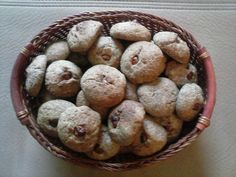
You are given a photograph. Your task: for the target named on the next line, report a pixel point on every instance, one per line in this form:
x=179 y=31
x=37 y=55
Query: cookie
x=49 y=113
x=103 y=85
x=35 y=75
x=172 y=124
x=142 y=62
x=63 y=78
x=82 y=35
x=130 y=31
x=131 y=92
x=57 y=51
x=171 y=44
x=125 y=121
x=107 y=51
x=189 y=102
x=78 y=128
x=158 y=97
x=105 y=147
x=181 y=74
x=82 y=101
x=151 y=139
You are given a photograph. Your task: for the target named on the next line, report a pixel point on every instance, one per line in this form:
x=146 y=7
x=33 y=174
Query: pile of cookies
x=105 y=95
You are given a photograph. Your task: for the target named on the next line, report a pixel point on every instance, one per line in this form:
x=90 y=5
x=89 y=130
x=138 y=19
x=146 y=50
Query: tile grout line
x=120 y=4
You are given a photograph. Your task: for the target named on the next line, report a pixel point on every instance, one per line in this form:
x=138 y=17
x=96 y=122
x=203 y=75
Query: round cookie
x=105 y=147
x=49 y=113
x=158 y=97
x=35 y=74
x=107 y=51
x=151 y=139
x=181 y=74
x=78 y=128
x=189 y=102
x=125 y=121
x=103 y=85
x=173 y=45
x=142 y=62
x=131 y=92
x=130 y=31
x=172 y=124
x=82 y=101
x=82 y=36
x=57 y=51
x=63 y=78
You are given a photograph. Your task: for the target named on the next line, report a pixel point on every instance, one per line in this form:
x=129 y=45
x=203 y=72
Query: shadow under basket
x=25 y=105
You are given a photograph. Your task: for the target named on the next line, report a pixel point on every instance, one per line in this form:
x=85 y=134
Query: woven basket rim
x=25 y=117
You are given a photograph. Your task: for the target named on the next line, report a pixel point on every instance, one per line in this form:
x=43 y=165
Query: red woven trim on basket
x=204 y=120
x=16 y=84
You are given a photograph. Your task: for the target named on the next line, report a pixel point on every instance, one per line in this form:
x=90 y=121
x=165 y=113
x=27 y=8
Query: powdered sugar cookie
x=107 y=51
x=172 y=45
x=57 y=51
x=158 y=97
x=49 y=113
x=63 y=78
x=142 y=62
x=125 y=121
x=79 y=127
x=105 y=147
x=130 y=31
x=181 y=74
x=35 y=74
x=103 y=85
x=189 y=101
x=151 y=139
x=82 y=36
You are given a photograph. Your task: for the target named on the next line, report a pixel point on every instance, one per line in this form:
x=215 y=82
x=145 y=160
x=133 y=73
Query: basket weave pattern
x=24 y=107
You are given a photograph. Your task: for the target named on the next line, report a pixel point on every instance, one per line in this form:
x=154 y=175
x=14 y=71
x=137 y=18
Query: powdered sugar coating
x=35 y=74
x=63 y=78
x=79 y=127
x=181 y=74
x=151 y=139
x=130 y=31
x=189 y=101
x=57 y=51
x=105 y=147
x=125 y=121
x=142 y=62
x=173 y=46
x=158 y=97
x=82 y=101
x=107 y=51
x=172 y=124
x=131 y=92
x=82 y=35
x=103 y=85
x=49 y=113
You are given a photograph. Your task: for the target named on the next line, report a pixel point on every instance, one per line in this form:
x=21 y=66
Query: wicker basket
x=25 y=105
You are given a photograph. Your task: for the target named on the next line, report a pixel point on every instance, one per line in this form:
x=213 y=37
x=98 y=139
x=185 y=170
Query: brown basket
x=25 y=105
